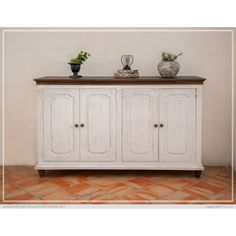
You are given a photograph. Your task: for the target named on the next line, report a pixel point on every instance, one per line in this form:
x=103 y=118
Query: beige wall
x=34 y=54
x=235 y=100
x=1 y=97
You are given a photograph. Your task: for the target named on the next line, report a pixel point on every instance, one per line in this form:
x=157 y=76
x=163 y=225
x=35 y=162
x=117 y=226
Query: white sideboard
x=148 y=123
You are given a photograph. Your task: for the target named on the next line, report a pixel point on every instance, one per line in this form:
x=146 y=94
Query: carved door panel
x=60 y=135
x=98 y=116
x=177 y=136
x=139 y=135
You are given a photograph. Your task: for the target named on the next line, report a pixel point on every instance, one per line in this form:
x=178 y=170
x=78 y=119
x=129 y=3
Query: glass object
x=127 y=61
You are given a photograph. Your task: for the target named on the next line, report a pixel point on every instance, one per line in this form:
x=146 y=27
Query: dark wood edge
x=106 y=83
x=114 y=81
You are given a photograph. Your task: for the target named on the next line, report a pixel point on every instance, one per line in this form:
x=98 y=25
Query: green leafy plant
x=166 y=56
x=81 y=57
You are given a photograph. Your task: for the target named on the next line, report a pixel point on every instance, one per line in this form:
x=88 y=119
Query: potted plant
x=76 y=62
x=168 y=67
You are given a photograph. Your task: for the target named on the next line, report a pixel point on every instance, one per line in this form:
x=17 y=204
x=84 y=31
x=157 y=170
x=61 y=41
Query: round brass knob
x=81 y=125
x=155 y=125
x=76 y=125
x=161 y=125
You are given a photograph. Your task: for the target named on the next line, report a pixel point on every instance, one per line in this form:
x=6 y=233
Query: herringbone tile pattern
x=23 y=185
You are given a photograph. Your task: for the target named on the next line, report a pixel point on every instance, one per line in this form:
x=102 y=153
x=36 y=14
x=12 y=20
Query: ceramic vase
x=168 y=69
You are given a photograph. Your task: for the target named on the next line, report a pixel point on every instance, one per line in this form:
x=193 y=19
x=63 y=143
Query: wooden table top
x=103 y=80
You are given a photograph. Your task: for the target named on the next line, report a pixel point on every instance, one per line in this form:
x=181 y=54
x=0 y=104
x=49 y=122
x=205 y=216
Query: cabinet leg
x=197 y=173
x=42 y=173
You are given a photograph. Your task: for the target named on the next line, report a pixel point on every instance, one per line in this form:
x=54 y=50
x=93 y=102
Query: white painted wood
x=98 y=114
x=138 y=125
x=121 y=119
x=177 y=114
x=119 y=92
x=119 y=166
x=40 y=128
x=199 y=125
x=60 y=136
x=143 y=86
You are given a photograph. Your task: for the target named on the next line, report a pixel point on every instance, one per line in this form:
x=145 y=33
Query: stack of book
x=127 y=74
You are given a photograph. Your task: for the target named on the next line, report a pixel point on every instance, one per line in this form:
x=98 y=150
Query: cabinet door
x=60 y=137
x=98 y=115
x=177 y=136
x=139 y=135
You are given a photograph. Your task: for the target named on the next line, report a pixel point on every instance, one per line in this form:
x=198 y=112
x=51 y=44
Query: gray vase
x=168 y=68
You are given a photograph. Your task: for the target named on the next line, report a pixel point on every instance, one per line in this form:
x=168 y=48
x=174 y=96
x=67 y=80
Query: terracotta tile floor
x=23 y=185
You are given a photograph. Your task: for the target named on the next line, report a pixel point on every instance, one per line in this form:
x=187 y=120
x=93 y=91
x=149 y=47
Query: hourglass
x=127 y=61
